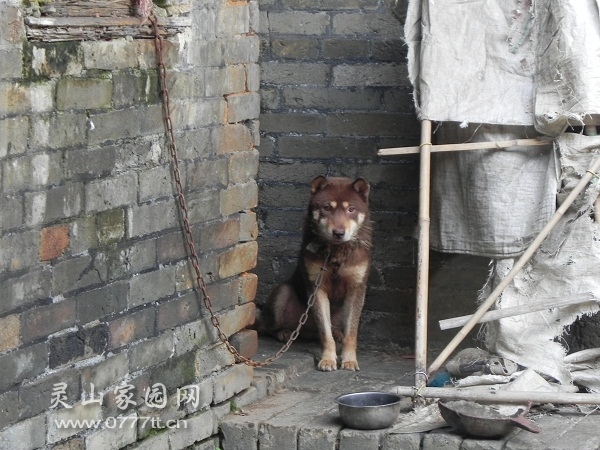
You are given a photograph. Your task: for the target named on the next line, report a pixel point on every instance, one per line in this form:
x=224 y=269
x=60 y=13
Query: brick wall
x=335 y=89
x=95 y=286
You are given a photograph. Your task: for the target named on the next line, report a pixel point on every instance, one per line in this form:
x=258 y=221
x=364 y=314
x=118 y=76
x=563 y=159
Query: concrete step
x=299 y=409
x=296 y=411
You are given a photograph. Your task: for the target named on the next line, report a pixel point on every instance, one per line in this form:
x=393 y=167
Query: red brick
x=248 y=226
x=248 y=287
x=131 y=328
x=245 y=342
x=220 y=235
x=239 y=259
x=234 y=138
x=53 y=242
x=178 y=311
x=238 y=198
x=237 y=319
x=10 y=330
x=48 y=319
x=223 y=295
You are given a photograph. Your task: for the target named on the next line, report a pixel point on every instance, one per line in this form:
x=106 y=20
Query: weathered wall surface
x=96 y=295
x=334 y=90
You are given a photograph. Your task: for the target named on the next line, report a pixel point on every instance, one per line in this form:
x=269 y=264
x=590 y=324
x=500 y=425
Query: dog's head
x=339 y=207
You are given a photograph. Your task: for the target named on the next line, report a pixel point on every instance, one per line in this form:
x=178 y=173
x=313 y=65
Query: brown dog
x=337 y=224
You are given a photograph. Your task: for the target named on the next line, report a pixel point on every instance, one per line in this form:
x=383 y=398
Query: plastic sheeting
x=509 y=62
x=567 y=78
x=490 y=203
x=567 y=263
x=471 y=61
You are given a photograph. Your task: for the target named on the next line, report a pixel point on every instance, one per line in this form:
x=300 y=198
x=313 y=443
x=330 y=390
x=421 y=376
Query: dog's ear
x=318 y=183
x=362 y=186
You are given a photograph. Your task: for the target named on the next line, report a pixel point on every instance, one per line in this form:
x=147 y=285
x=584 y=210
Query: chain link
x=193 y=256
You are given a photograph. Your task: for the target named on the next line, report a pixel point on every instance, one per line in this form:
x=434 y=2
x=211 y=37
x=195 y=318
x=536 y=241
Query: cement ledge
x=294 y=409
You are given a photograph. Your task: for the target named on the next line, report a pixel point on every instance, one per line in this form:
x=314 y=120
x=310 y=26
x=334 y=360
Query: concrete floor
x=293 y=408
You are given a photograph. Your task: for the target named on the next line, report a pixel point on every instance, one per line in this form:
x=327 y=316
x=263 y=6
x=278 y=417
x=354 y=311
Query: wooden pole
x=465 y=146
x=499 y=396
x=548 y=303
x=423 y=258
x=516 y=268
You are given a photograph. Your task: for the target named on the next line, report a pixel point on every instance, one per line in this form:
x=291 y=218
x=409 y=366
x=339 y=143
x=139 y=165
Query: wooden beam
x=102 y=21
x=60 y=29
x=561 y=302
x=466 y=146
x=499 y=396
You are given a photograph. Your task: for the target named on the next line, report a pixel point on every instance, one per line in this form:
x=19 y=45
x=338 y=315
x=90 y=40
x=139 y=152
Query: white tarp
x=567 y=78
x=490 y=203
x=518 y=63
x=567 y=264
x=471 y=61
x=509 y=62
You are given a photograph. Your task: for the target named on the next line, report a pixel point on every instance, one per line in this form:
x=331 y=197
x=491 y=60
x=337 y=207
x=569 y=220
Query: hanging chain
x=162 y=72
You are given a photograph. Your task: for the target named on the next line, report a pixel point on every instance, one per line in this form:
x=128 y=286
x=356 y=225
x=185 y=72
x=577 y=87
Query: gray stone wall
x=96 y=293
x=335 y=89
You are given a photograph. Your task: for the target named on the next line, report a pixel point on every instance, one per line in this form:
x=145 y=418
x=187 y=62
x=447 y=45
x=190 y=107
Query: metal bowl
x=482 y=421
x=368 y=410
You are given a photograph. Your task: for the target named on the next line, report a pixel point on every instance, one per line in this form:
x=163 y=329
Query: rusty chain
x=164 y=92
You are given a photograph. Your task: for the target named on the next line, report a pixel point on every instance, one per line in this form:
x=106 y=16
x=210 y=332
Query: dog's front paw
x=350 y=365
x=327 y=365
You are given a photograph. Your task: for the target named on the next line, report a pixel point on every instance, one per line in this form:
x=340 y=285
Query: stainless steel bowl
x=368 y=410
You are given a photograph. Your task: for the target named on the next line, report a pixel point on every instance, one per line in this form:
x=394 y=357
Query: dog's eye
x=351 y=209
x=327 y=207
